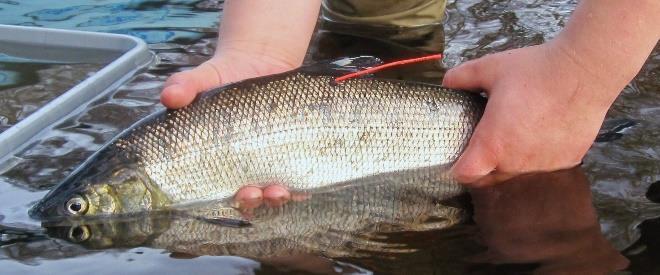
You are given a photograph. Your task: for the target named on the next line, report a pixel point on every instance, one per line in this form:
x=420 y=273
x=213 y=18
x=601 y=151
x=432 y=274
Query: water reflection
x=338 y=40
x=544 y=223
x=313 y=235
x=345 y=221
x=645 y=253
x=26 y=86
x=154 y=21
x=547 y=219
x=621 y=166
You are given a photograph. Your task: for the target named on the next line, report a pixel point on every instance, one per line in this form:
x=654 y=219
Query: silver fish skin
x=299 y=129
x=339 y=222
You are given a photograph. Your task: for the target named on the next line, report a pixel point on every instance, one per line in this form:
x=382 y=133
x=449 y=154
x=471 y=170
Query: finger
x=476 y=162
x=177 y=96
x=182 y=88
x=248 y=197
x=471 y=75
x=276 y=195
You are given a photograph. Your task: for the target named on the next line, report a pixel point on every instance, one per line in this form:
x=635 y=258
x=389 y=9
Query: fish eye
x=76 y=206
x=79 y=233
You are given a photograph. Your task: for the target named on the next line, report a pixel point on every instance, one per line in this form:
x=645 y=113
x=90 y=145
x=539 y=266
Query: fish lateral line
x=387 y=65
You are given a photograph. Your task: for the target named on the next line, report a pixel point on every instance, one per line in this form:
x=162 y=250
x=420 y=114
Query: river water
x=602 y=213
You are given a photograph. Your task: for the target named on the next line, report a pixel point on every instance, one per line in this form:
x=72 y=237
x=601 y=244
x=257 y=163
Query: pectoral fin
x=229 y=222
x=217 y=213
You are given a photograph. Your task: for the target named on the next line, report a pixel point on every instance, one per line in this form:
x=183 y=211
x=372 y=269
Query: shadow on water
x=567 y=220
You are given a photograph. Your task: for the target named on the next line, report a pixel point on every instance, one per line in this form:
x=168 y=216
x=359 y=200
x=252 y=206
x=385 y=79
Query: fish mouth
x=37 y=210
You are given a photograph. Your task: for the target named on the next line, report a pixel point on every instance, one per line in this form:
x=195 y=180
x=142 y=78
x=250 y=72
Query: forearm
x=276 y=30
x=610 y=40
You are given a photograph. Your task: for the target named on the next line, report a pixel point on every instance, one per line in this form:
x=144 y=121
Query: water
x=619 y=169
x=27 y=86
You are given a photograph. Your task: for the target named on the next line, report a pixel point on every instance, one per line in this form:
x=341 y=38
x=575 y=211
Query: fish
x=346 y=222
x=300 y=129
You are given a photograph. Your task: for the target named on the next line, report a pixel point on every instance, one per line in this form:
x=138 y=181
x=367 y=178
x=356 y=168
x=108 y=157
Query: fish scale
x=304 y=132
x=299 y=129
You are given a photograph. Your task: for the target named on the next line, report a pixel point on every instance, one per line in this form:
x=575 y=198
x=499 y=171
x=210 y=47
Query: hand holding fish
x=246 y=51
x=181 y=88
x=536 y=118
x=256 y=38
x=547 y=102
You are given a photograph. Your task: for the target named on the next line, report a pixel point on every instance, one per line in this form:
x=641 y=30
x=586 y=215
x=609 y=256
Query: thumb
x=471 y=75
x=182 y=88
x=475 y=163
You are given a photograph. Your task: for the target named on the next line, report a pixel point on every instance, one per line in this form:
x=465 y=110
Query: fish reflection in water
x=340 y=222
x=546 y=221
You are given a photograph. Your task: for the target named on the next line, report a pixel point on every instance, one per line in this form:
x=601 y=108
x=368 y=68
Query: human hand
x=251 y=197
x=544 y=110
x=255 y=38
x=547 y=102
x=181 y=88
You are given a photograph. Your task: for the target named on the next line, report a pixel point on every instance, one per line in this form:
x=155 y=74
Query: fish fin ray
x=215 y=212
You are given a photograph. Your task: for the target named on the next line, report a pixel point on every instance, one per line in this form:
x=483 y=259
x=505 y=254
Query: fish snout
x=50 y=206
x=42 y=210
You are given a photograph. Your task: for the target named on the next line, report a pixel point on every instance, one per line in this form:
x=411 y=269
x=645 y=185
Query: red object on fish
x=388 y=65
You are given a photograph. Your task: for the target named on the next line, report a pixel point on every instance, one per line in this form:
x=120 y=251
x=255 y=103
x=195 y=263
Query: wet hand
x=251 y=197
x=544 y=111
x=547 y=102
x=254 y=196
x=255 y=38
x=181 y=88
